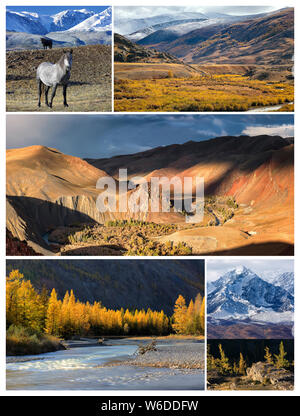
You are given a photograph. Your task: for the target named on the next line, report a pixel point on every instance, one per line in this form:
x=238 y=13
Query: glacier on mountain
x=242 y=294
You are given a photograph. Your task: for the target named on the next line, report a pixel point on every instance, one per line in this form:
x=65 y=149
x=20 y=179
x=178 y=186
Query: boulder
x=266 y=373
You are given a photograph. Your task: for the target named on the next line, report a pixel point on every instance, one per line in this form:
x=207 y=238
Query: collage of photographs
x=152 y=148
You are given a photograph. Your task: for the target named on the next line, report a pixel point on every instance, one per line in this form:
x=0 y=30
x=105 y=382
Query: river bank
x=22 y=341
x=268 y=108
x=110 y=367
x=175 y=354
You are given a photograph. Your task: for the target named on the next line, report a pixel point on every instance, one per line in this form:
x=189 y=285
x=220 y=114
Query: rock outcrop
x=127 y=51
x=267 y=373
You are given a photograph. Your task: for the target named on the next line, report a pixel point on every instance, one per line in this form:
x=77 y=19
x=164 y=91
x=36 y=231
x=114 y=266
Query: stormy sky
x=106 y=135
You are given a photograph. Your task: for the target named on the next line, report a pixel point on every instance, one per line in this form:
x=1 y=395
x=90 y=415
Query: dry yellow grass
x=219 y=92
x=90 y=86
x=139 y=71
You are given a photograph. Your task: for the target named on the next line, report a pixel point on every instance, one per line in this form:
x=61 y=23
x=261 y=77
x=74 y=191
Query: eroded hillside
x=248 y=208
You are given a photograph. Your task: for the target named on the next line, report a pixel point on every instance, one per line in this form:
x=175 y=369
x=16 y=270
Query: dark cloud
x=97 y=136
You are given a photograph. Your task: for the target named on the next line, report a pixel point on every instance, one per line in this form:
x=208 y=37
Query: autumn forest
x=44 y=313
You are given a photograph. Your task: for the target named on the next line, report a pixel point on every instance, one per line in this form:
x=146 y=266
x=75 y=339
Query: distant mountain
x=97 y=22
x=67 y=28
x=69 y=18
x=27 y=22
x=129 y=284
x=78 y=20
x=177 y=27
x=178 y=22
x=241 y=294
x=254 y=39
x=129 y=26
x=180 y=27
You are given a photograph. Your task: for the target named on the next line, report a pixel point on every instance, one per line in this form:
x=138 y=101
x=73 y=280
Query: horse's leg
x=46 y=95
x=40 y=91
x=52 y=95
x=65 y=95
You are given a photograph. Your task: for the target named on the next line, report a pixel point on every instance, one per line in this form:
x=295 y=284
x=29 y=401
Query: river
x=82 y=369
x=266 y=109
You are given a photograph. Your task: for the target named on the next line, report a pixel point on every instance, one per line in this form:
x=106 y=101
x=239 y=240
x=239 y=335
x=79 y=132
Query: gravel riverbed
x=170 y=354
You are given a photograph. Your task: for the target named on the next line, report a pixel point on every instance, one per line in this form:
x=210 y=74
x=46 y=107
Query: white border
x=100 y=393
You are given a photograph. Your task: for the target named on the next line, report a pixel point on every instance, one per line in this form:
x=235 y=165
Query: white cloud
x=284 y=130
x=138 y=12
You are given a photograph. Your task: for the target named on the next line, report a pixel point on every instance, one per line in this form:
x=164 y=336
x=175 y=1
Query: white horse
x=52 y=75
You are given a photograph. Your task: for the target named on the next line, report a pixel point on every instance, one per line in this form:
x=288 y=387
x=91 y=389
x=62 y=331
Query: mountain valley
x=51 y=200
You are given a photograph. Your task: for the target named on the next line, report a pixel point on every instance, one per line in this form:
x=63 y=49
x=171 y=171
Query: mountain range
x=197 y=38
x=241 y=298
x=177 y=22
x=69 y=27
x=81 y=20
x=240 y=293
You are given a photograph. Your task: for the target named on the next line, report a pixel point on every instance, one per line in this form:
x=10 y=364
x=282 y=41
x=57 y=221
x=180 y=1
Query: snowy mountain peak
x=97 y=22
x=240 y=269
x=67 y=19
x=240 y=275
x=241 y=294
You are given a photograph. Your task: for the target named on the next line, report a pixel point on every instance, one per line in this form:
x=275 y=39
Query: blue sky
x=106 y=135
x=50 y=10
x=264 y=268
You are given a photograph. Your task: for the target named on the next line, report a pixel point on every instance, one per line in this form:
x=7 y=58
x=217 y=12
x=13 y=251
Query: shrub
x=24 y=341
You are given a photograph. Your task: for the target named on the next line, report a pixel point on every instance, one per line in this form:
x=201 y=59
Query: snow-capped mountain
x=178 y=23
x=97 y=22
x=27 y=22
x=285 y=281
x=131 y=25
x=69 y=18
x=79 y=20
x=178 y=27
x=241 y=294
